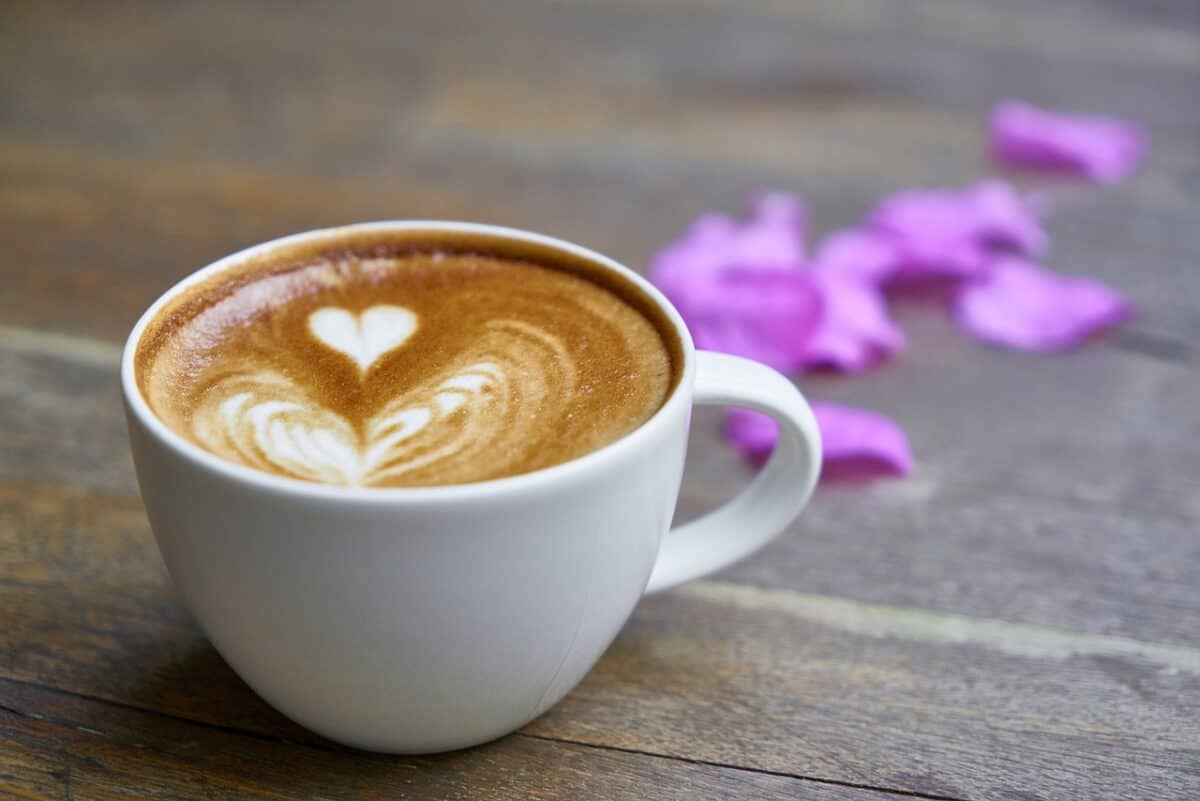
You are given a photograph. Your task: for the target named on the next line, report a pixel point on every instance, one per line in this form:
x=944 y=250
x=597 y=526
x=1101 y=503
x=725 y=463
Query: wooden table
x=1018 y=620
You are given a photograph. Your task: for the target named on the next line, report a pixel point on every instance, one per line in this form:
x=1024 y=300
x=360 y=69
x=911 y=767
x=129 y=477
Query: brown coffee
x=407 y=359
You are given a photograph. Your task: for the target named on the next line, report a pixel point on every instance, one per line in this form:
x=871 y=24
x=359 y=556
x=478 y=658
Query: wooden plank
x=857 y=138
x=1055 y=497
x=1042 y=487
x=173 y=219
x=731 y=100
x=1098 y=426
x=965 y=721
x=78 y=274
x=1082 y=515
x=1102 y=25
x=831 y=690
x=60 y=411
x=60 y=746
x=88 y=607
x=376 y=51
x=181 y=218
x=978 y=552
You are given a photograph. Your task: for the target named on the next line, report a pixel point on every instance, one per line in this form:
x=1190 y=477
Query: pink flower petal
x=854 y=441
x=1020 y=305
x=1099 y=148
x=952 y=232
x=768 y=316
x=740 y=286
x=850 y=434
x=775 y=234
x=866 y=255
x=743 y=288
x=773 y=237
x=752 y=433
x=1003 y=218
x=854 y=332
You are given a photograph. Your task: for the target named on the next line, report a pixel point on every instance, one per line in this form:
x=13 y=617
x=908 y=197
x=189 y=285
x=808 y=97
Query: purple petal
x=863 y=254
x=1099 y=148
x=858 y=435
x=752 y=433
x=1006 y=219
x=933 y=232
x=1023 y=306
x=773 y=237
x=953 y=232
x=740 y=286
x=855 y=442
x=774 y=234
x=768 y=316
x=854 y=331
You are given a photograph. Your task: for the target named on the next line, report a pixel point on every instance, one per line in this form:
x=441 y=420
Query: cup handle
x=762 y=510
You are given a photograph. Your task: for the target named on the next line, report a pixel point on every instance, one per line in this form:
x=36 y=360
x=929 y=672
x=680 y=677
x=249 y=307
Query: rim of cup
x=575 y=468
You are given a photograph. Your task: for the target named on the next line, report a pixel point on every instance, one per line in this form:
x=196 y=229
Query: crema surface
x=403 y=369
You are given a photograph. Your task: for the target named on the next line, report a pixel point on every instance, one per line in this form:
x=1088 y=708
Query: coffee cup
x=424 y=619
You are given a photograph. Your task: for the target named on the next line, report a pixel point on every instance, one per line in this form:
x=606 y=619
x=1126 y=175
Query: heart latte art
x=363 y=337
x=404 y=370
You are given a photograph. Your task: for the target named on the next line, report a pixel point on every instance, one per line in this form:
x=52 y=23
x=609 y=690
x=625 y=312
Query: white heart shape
x=363 y=337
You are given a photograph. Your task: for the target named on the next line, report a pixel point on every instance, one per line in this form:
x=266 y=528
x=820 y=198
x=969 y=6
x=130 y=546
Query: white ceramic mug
x=429 y=619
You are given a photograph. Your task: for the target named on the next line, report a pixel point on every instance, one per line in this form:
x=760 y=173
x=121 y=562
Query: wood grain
x=931 y=706
x=964 y=722
x=208 y=65
x=176 y=217
x=1081 y=516
x=1015 y=621
x=768 y=96
x=62 y=746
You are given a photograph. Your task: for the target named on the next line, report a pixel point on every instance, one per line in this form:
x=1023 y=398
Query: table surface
x=1020 y=619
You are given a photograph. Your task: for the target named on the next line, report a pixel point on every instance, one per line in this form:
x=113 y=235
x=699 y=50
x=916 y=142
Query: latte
x=396 y=360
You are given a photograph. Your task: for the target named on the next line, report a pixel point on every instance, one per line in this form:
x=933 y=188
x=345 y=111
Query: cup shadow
x=194 y=683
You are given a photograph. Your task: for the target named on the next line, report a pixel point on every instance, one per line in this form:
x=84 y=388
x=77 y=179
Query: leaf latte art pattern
x=261 y=418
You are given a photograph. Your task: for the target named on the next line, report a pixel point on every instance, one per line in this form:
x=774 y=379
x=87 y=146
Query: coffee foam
x=386 y=364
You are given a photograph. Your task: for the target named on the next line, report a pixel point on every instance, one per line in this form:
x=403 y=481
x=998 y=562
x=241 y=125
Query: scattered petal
x=953 y=232
x=1006 y=219
x=1101 y=149
x=1020 y=305
x=776 y=233
x=859 y=253
x=772 y=238
x=764 y=315
x=858 y=435
x=854 y=331
x=933 y=233
x=854 y=441
x=752 y=433
x=740 y=286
